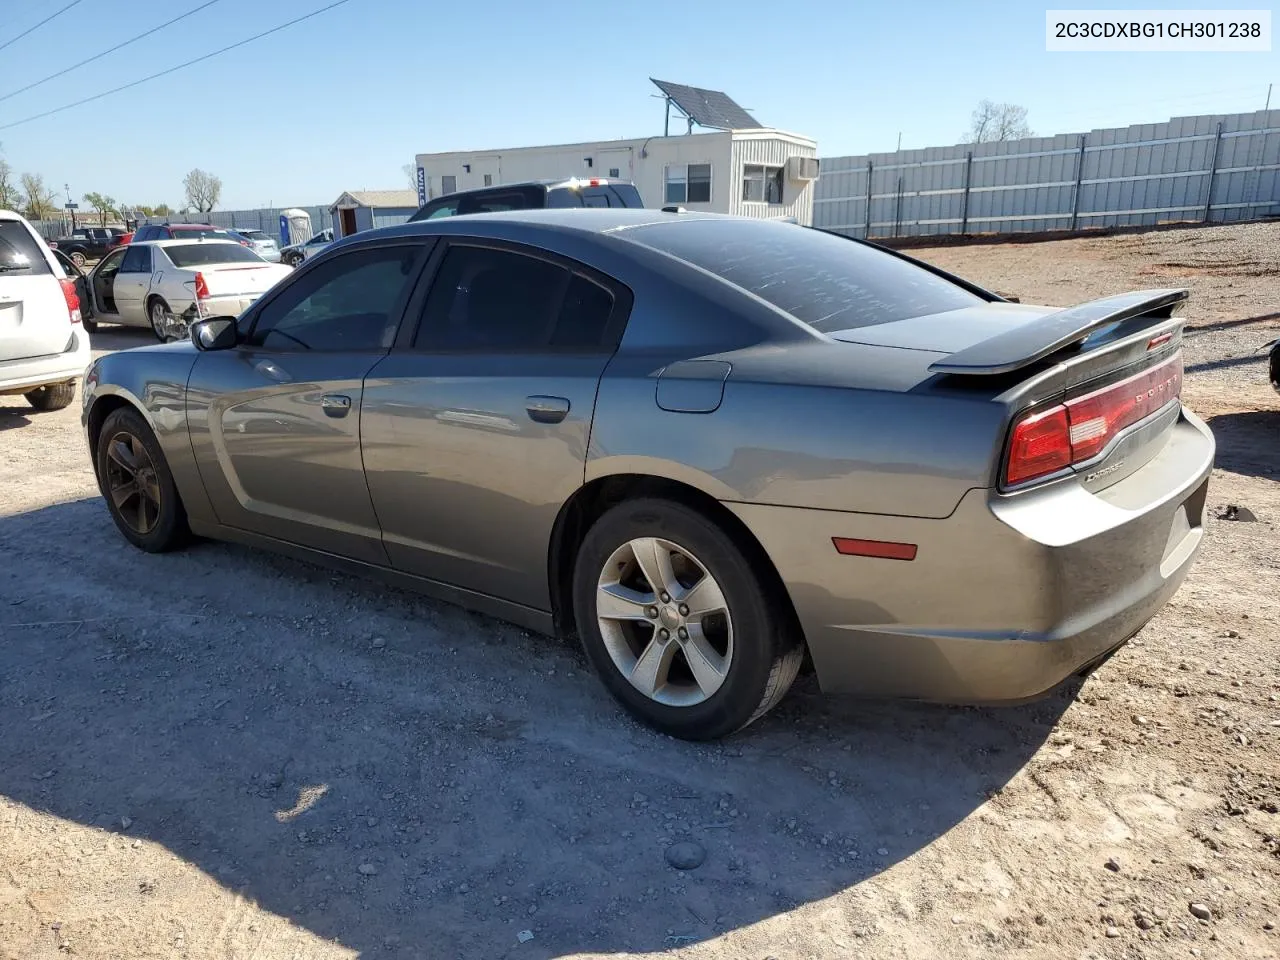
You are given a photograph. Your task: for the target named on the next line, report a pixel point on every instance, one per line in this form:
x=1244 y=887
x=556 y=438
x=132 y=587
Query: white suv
x=44 y=349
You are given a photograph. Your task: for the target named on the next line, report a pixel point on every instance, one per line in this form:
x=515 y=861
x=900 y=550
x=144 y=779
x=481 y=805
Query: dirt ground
x=221 y=754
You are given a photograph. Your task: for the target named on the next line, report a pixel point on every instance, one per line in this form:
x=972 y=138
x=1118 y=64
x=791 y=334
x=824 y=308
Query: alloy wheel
x=168 y=328
x=665 y=621
x=132 y=483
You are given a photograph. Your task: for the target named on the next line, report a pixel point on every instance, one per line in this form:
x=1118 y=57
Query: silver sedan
x=711 y=448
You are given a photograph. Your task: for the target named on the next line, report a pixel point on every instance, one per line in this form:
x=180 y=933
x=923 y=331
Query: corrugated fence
x=1217 y=168
x=266 y=219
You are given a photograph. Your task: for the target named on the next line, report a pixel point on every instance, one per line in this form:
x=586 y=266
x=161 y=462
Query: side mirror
x=215 y=333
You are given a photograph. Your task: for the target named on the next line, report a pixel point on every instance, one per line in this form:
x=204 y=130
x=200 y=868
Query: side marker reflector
x=883 y=549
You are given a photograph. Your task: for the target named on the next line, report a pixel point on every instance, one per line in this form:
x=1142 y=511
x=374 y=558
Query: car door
x=103 y=281
x=475 y=428
x=275 y=421
x=132 y=283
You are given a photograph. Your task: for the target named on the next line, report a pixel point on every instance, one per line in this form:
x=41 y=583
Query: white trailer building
x=742 y=168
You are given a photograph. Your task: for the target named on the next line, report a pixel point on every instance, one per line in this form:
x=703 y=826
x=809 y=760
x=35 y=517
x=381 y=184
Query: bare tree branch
x=203 y=190
x=997 y=121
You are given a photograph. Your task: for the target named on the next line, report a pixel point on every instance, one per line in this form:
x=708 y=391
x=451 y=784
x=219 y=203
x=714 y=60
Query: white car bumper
x=20 y=376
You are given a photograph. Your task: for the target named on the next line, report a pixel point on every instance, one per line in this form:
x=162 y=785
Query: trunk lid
x=34 y=320
x=1108 y=370
x=242 y=279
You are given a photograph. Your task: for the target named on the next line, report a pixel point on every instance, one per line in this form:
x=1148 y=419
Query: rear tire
x=78 y=258
x=136 y=482
x=162 y=320
x=52 y=396
x=710 y=673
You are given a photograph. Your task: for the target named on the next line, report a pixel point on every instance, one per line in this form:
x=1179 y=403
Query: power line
x=40 y=24
x=127 y=86
x=99 y=56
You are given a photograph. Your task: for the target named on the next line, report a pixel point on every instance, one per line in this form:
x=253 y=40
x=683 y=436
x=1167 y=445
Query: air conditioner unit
x=802 y=168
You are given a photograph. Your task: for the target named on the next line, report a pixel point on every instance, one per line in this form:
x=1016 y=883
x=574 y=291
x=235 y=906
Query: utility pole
x=899 y=139
x=70 y=206
x=1268 y=106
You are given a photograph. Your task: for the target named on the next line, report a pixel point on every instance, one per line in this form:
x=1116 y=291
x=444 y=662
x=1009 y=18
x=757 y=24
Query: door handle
x=335 y=405
x=547 y=409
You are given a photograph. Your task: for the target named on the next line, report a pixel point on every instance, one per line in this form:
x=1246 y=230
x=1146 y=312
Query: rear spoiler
x=1024 y=345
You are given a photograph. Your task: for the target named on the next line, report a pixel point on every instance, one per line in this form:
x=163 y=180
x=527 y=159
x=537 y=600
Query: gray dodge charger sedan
x=704 y=445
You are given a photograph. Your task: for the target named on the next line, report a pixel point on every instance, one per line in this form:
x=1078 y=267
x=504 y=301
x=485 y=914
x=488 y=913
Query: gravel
x=297 y=790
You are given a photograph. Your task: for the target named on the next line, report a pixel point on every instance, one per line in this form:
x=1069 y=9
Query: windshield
x=207 y=254
x=829 y=282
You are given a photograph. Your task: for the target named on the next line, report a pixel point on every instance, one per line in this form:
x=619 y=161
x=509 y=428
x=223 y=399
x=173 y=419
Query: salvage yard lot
x=219 y=753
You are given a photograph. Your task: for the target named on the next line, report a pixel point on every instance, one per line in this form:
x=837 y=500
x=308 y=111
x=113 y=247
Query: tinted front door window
x=347 y=304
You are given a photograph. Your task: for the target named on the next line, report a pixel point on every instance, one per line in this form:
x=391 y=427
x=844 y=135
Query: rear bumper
x=1008 y=596
x=217 y=307
x=19 y=376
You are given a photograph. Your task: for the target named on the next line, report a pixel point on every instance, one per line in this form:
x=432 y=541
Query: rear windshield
x=206 y=254
x=609 y=195
x=829 y=282
x=19 y=251
x=206 y=233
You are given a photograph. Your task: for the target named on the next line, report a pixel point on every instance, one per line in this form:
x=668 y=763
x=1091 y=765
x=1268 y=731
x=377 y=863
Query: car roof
x=571 y=219
x=176 y=242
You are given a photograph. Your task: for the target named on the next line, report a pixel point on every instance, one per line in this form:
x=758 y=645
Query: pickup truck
x=87 y=243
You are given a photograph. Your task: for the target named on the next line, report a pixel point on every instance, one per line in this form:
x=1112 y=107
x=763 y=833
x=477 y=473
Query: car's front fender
x=153 y=381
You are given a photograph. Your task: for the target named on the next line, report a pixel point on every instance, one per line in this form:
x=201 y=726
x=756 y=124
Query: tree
x=39 y=199
x=103 y=206
x=410 y=171
x=10 y=196
x=203 y=190
x=142 y=210
x=162 y=210
x=997 y=121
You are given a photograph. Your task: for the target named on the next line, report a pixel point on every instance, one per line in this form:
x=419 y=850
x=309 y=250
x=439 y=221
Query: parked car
x=261 y=243
x=121 y=239
x=165 y=284
x=702 y=444
x=532 y=195
x=87 y=243
x=295 y=253
x=185 y=231
x=44 y=348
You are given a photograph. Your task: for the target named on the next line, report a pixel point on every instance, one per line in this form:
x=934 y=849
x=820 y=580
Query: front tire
x=135 y=479
x=679 y=627
x=52 y=396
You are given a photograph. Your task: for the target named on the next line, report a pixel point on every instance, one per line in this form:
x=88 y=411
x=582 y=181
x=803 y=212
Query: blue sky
x=342 y=101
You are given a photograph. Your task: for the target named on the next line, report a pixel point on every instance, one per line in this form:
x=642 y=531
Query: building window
x=613 y=171
x=687 y=183
x=448 y=185
x=488 y=179
x=761 y=184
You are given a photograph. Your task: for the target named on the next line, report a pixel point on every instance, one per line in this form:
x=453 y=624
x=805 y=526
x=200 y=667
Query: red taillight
x=202 y=288
x=73 y=299
x=1048 y=440
x=1041 y=445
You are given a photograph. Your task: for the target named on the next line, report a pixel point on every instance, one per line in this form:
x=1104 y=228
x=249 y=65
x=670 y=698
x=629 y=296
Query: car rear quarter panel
x=818 y=425
x=153 y=380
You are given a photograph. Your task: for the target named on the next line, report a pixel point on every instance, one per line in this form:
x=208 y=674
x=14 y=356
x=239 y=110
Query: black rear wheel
x=52 y=396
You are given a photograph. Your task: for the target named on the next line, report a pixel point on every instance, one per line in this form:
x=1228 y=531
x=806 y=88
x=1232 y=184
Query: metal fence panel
x=1221 y=168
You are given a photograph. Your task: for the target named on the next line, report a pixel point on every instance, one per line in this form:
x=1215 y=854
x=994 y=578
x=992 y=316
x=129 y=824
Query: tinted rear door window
x=826 y=281
x=20 y=252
